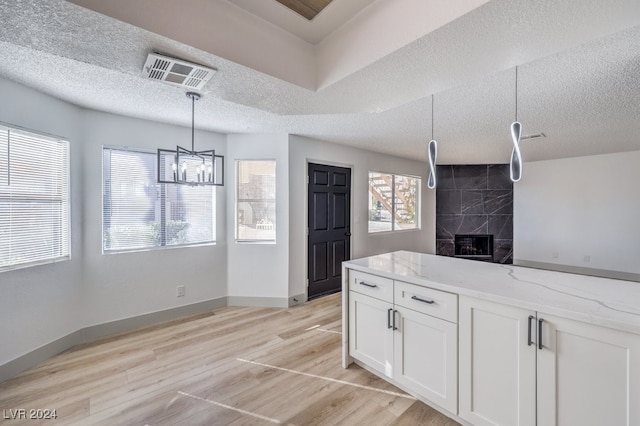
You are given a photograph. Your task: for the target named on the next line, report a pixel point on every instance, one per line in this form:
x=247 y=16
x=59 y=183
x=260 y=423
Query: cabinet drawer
x=371 y=285
x=427 y=300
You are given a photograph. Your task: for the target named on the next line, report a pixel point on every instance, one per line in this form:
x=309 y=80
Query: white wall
x=303 y=151
x=259 y=270
x=42 y=303
x=577 y=207
x=118 y=286
x=382 y=28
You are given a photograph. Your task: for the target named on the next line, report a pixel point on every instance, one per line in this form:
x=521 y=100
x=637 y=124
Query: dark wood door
x=329 y=241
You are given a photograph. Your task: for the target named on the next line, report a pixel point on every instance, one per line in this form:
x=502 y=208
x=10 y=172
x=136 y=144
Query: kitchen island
x=496 y=344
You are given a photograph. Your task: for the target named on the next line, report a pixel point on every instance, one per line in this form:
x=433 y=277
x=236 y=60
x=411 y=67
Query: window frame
x=163 y=246
x=237 y=202
x=418 y=203
x=64 y=223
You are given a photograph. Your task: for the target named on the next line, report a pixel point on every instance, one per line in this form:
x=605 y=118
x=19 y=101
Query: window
x=34 y=199
x=394 y=202
x=139 y=214
x=255 y=200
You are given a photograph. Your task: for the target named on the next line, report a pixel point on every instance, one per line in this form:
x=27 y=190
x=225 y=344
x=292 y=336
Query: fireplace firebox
x=477 y=247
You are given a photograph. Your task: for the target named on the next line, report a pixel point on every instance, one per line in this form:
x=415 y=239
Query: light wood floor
x=234 y=366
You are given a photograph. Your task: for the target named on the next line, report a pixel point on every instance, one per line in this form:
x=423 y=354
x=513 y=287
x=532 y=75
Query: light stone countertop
x=601 y=301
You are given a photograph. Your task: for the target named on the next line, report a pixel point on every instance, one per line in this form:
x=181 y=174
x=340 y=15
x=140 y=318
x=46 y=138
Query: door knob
x=347 y=234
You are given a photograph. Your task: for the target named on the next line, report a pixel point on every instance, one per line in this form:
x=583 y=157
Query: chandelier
x=190 y=167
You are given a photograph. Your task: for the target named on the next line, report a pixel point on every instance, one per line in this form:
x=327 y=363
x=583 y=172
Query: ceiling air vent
x=176 y=71
x=534 y=136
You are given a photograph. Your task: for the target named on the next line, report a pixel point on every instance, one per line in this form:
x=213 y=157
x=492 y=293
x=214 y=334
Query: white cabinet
x=370 y=336
x=425 y=350
x=586 y=374
x=407 y=341
x=497 y=366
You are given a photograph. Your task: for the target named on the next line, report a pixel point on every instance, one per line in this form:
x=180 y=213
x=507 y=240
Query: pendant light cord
x=516 y=93
x=193 y=108
x=431 y=117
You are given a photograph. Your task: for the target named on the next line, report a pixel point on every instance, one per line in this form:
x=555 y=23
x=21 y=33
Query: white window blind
x=393 y=202
x=255 y=200
x=34 y=199
x=140 y=214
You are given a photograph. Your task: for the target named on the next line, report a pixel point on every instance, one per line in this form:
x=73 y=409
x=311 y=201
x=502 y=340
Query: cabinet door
x=370 y=332
x=587 y=375
x=426 y=357
x=497 y=366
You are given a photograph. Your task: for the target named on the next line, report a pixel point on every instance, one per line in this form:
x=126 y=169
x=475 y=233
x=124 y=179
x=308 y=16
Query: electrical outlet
x=587 y=258
x=554 y=254
x=180 y=290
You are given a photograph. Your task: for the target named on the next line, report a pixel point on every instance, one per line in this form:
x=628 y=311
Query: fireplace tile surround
x=475 y=199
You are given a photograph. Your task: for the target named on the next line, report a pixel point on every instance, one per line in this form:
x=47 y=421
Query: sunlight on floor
x=401 y=395
x=228 y=407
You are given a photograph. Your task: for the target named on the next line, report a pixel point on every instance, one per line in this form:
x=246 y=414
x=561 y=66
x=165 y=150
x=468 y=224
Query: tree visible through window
x=139 y=213
x=393 y=202
x=34 y=199
x=256 y=200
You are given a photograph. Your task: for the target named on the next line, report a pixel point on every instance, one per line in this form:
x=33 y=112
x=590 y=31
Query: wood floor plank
x=233 y=366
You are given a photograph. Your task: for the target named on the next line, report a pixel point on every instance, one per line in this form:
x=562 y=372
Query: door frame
x=306 y=213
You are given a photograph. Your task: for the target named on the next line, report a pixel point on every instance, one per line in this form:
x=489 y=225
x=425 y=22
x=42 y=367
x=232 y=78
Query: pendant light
x=433 y=154
x=515 y=166
x=190 y=167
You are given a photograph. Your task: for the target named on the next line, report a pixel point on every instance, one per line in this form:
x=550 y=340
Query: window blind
x=34 y=199
x=140 y=214
x=256 y=200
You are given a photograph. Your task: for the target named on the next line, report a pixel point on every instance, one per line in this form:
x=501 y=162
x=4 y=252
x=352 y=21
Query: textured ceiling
x=579 y=62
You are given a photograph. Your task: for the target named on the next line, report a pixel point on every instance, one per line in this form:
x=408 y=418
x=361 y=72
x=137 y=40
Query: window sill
x=146 y=249
x=398 y=231
x=258 y=242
